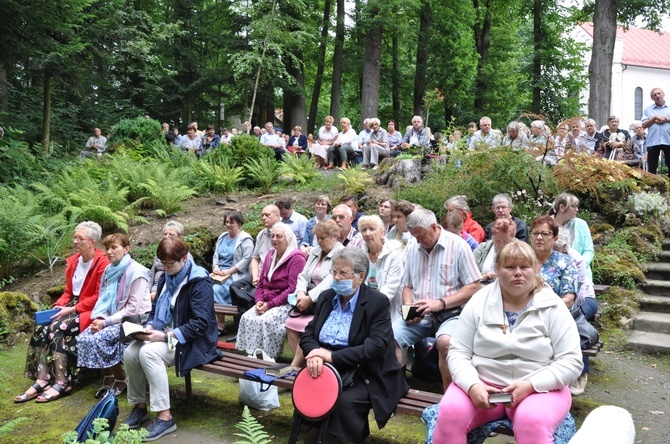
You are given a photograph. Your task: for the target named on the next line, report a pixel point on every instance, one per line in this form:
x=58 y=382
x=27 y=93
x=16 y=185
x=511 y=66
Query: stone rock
x=395 y=172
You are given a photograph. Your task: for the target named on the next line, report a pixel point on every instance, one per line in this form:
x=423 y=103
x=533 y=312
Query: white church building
x=641 y=62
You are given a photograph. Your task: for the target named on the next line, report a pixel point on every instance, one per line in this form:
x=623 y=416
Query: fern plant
x=219 y=177
x=165 y=191
x=11 y=425
x=252 y=431
x=298 y=168
x=263 y=172
x=355 y=180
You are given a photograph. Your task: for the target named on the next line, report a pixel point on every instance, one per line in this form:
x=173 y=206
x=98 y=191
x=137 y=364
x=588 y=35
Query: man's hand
x=429 y=306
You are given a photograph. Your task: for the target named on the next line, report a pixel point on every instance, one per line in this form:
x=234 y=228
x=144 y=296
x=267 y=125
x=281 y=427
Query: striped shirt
x=449 y=267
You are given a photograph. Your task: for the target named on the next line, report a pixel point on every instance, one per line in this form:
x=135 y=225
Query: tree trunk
x=336 y=87
x=320 y=64
x=4 y=91
x=396 y=172
x=537 y=54
x=372 y=68
x=602 y=54
x=422 y=55
x=294 y=95
x=395 y=78
x=46 y=111
x=482 y=42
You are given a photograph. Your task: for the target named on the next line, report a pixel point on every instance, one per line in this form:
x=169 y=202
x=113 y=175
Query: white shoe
x=577 y=388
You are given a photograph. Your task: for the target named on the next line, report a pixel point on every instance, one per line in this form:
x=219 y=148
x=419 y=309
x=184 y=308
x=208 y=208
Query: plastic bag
x=256 y=395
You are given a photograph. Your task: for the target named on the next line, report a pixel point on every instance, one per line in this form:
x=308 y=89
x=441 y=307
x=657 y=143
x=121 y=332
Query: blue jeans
x=589 y=308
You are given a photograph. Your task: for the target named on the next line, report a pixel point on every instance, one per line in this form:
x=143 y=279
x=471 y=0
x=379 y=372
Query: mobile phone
x=500 y=398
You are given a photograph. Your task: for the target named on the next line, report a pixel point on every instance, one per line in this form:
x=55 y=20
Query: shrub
x=218 y=177
x=16 y=315
x=299 y=169
x=646 y=204
x=17 y=163
x=613 y=265
x=137 y=133
x=355 y=180
x=242 y=149
x=262 y=172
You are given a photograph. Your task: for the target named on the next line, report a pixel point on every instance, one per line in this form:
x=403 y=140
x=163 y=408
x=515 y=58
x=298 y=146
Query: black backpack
x=107 y=407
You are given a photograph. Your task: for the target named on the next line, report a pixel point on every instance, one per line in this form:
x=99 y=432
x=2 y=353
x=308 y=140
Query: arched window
x=638 y=103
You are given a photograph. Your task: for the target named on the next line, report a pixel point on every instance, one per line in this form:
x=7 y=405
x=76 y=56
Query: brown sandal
x=38 y=391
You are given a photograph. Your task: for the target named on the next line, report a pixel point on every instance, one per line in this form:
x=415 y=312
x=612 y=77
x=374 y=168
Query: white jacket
x=390 y=266
x=543 y=347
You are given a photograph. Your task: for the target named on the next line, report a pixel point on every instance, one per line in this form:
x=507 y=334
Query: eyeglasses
x=337 y=273
x=168 y=264
x=501 y=207
x=543 y=234
x=80 y=239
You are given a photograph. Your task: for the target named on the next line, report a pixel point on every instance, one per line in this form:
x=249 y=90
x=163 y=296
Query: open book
x=410 y=312
x=130 y=329
x=219 y=279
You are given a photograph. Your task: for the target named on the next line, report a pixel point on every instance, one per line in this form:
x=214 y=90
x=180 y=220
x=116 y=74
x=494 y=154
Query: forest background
x=72 y=65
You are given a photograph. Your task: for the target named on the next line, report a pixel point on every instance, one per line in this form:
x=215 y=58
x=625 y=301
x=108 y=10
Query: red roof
x=641 y=47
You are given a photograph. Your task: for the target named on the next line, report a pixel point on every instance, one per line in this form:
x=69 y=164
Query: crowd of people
x=336 y=285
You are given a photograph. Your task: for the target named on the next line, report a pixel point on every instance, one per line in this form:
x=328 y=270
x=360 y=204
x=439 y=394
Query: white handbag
x=254 y=395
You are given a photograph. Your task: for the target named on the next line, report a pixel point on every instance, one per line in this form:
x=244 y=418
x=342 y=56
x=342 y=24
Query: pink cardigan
x=275 y=291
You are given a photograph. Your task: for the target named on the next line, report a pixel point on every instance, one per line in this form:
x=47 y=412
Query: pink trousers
x=534 y=419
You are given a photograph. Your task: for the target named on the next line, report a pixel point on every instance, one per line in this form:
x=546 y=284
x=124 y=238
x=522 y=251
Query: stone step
x=649 y=342
x=665 y=256
x=658 y=304
x=656 y=287
x=657 y=270
x=666 y=245
x=652 y=322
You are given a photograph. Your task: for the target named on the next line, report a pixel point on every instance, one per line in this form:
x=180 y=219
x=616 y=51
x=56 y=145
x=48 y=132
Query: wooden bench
x=221 y=311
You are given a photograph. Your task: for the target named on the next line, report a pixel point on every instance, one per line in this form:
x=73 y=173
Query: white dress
x=325 y=136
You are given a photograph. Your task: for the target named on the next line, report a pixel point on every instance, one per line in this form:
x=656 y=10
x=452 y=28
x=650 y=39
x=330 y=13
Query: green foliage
x=262 y=172
x=17 y=163
x=252 y=431
x=243 y=149
x=100 y=434
x=165 y=192
x=139 y=130
x=19 y=211
x=354 y=179
x=48 y=239
x=617 y=304
x=299 y=169
x=218 y=177
x=16 y=315
x=7 y=428
x=649 y=203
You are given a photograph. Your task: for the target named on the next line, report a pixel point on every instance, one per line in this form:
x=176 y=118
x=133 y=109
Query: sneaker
x=577 y=388
x=137 y=417
x=159 y=428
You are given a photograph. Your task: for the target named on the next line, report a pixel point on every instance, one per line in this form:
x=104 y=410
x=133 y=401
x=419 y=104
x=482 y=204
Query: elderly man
x=417 y=137
x=486 y=136
x=459 y=204
x=615 y=139
x=440 y=274
x=293 y=219
x=576 y=140
x=364 y=135
x=502 y=207
x=257 y=132
x=592 y=137
x=377 y=146
x=349 y=236
x=515 y=138
x=272 y=141
x=345 y=144
x=656 y=119
x=96 y=145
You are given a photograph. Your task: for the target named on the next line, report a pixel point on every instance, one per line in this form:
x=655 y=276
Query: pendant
x=504 y=328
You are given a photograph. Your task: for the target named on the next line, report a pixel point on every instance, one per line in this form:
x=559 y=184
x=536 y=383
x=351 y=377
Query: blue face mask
x=343 y=287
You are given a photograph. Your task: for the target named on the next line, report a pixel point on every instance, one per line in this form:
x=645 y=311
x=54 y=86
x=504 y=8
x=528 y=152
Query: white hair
x=93 y=229
x=421 y=218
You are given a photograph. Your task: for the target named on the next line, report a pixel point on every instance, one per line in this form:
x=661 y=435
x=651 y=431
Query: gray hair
x=356 y=257
x=460 y=202
x=342 y=206
x=513 y=126
x=590 y=122
x=537 y=124
x=179 y=228
x=288 y=233
x=373 y=220
x=502 y=198
x=484 y=118
x=421 y=218
x=375 y=120
x=417 y=118
x=93 y=229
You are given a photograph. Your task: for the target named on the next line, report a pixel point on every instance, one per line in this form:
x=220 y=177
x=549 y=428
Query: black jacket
x=371 y=345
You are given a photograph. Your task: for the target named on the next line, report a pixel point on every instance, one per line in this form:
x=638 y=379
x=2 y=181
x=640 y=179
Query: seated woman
x=181 y=331
x=322 y=206
x=453 y=223
x=171 y=228
x=52 y=357
x=297 y=143
x=360 y=345
x=232 y=256
x=400 y=210
x=124 y=291
x=514 y=336
x=386 y=262
x=263 y=326
x=192 y=143
x=312 y=281
x=325 y=138
x=503 y=231
x=210 y=140
x=557 y=269
x=385 y=211
x=395 y=138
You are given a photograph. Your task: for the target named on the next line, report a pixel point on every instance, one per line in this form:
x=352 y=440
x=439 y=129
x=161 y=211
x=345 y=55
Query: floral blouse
x=560 y=273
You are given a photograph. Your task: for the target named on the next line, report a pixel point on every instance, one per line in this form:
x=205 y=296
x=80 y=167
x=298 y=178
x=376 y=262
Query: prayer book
x=279 y=370
x=130 y=329
x=410 y=312
x=500 y=398
x=219 y=279
x=44 y=317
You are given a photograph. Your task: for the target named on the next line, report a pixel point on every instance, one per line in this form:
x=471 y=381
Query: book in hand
x=44 y=317
x=410 y=312
x=130 y=329
x=279 y=370
x=500 y=398
x=218 y=278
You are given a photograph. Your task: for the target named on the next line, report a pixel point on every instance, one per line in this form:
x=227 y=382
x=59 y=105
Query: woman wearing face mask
x=352 y=331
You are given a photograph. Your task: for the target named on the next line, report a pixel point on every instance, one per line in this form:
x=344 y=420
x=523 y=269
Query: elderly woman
x=312 y=281
x=326 y=137
x=171 y=228
x=453 y=223
x=263 y=326
x=386 y=262
x=232 y=256
x=394 y=138
x=192 y=142
x=515 y=138
x=557 y=269
x=352 y=331
x=399 y=212
x=459 y=204
x=181 y=331
x=124 y=291
x=297 y=143
x=52 y=356
x=385 y=212
x=377 y=146
x=514 y=336
x=322 y=207
x=485 y=255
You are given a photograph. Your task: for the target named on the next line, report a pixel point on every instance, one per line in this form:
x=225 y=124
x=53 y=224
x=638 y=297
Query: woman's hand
x=315 y=360
x=261 y=307
x=63 y=313
x=479 y=395
x=569 y=299
x=304 y=301
x=152 y=336
x=97 y=325
x=520 y=391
